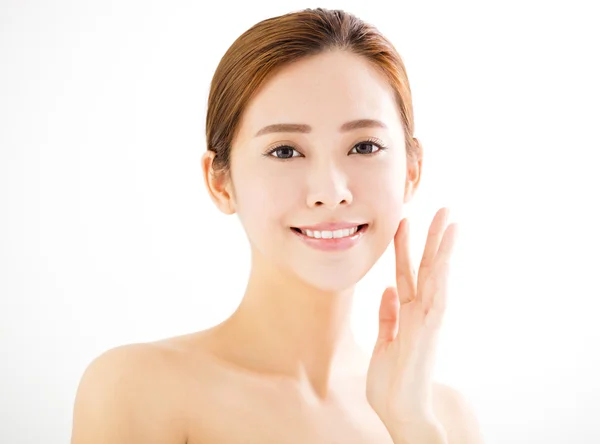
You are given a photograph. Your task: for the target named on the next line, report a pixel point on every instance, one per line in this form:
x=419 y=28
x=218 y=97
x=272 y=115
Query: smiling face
x=342 y=160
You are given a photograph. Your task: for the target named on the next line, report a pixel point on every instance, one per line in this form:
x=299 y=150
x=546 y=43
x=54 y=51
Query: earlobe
x=218 y=185
x=414 y=171
x=413 y=177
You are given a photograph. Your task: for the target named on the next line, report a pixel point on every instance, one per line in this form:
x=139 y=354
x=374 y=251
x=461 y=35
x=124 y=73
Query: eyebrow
x=302 y=128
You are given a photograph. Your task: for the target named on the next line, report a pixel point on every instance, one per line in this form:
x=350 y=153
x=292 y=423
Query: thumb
x=388 y=316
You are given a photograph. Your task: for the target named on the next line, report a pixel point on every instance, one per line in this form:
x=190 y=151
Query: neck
x=290 y=328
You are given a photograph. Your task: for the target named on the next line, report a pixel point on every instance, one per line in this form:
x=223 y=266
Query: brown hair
x=278 y=41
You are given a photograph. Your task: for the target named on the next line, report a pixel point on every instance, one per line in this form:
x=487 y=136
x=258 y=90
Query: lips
x=331 y=226
x=333 y=244
x=299 y=230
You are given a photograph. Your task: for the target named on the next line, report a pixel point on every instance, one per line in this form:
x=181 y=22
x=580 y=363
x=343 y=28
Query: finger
x=435 y=296
x=405 y=275
x=434 y=237
x=447 y=245
x=388 y=317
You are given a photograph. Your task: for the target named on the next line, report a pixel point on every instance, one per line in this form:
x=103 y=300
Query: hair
x=273 y=43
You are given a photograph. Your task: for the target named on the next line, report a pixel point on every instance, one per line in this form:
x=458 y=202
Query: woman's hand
x=399 y=380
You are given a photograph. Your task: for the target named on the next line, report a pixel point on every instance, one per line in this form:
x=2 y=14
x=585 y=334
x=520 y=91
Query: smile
x=337 y=234
x=332 y=240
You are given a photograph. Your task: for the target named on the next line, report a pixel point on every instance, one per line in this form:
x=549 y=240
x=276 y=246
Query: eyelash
x=370 y=141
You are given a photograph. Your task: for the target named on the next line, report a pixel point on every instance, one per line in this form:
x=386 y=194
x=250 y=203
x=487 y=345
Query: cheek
x=382 y=184
x=264 y=201
x=273 y=198
x=385 y=194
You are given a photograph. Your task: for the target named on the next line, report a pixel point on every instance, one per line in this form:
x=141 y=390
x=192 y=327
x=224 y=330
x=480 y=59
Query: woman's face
x=321 y=174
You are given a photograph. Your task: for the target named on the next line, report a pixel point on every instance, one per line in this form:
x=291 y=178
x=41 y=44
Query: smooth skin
x=284 y=367
x=400 y=383
x=179 y=391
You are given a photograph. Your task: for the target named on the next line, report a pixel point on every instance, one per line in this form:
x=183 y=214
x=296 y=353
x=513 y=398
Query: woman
x=310 y=142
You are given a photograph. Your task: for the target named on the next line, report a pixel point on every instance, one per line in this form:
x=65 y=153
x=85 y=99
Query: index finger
x=405 y=274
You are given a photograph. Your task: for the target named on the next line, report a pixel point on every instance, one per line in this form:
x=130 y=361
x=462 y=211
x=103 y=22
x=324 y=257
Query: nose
x=328 y=187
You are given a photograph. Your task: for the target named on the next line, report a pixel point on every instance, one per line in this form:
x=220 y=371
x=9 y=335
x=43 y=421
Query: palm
x=399 y=380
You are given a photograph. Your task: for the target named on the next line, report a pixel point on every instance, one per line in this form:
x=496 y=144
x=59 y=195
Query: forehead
x=323 y=91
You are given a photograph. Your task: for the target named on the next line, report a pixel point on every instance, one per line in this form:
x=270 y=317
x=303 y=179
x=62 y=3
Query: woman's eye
x=365 y=148
x=286 y=151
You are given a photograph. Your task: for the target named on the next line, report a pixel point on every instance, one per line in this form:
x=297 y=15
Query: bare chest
x=237 y=414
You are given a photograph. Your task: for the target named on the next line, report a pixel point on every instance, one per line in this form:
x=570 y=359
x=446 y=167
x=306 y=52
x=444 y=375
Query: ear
x=219 y=186
x=413 y=172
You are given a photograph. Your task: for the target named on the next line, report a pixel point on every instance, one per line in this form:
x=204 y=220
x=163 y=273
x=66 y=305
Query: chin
x=334 y=281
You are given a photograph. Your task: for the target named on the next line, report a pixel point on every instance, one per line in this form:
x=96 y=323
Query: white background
x=108 y=236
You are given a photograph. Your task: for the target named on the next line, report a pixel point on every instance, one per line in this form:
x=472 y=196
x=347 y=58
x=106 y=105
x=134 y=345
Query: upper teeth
x=330 y=234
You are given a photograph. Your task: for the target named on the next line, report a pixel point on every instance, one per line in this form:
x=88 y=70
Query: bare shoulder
x=125 y=396
x=457 y=416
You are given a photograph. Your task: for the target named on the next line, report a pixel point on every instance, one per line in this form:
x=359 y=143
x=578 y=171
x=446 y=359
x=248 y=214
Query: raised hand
x=399 y=379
